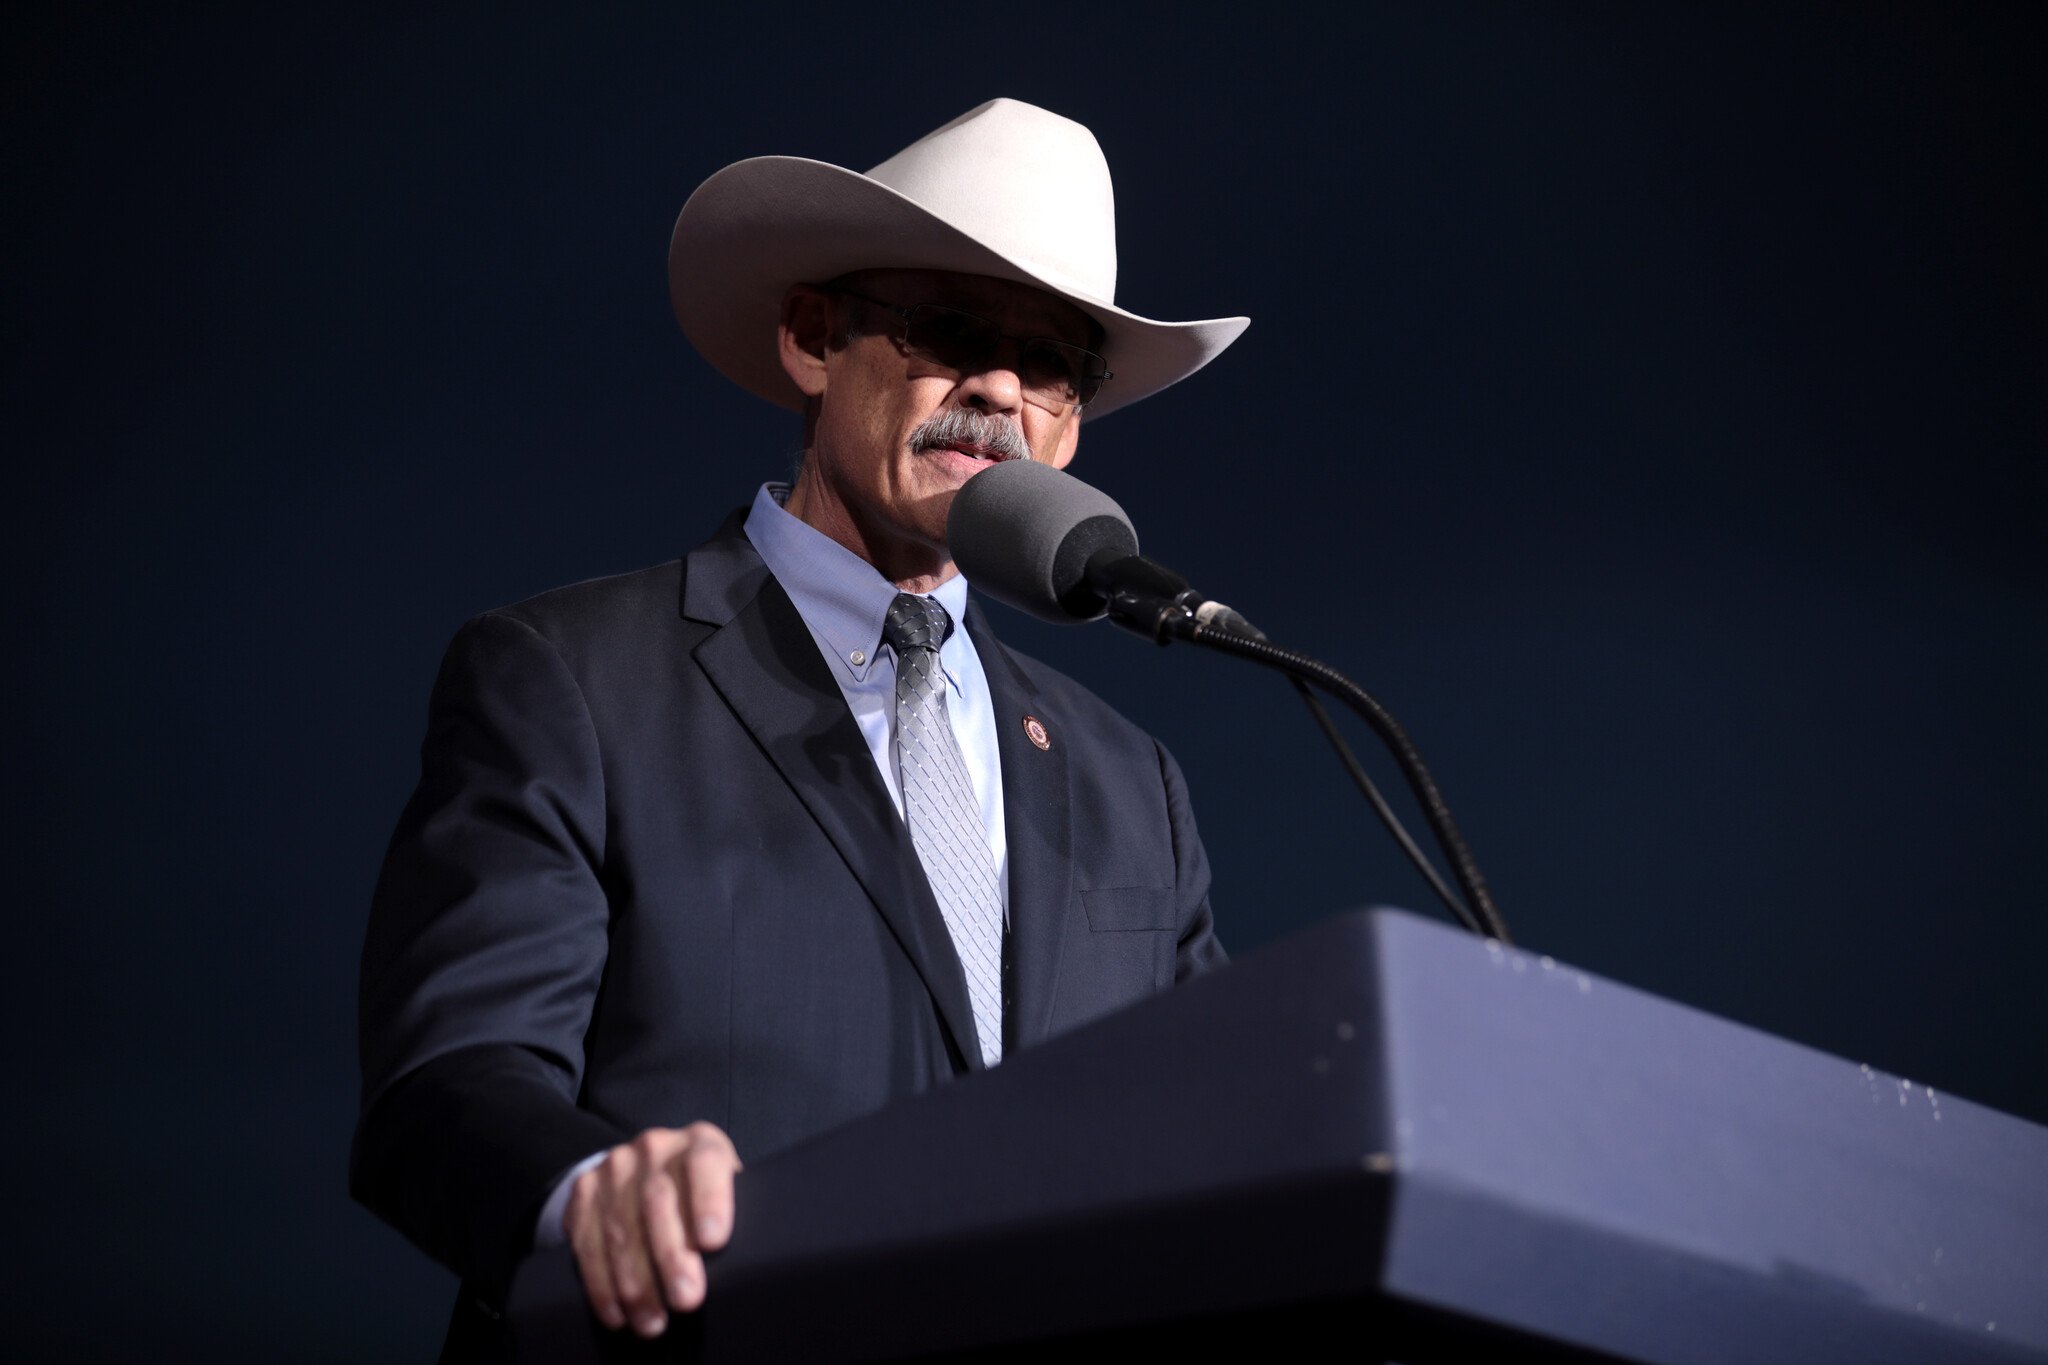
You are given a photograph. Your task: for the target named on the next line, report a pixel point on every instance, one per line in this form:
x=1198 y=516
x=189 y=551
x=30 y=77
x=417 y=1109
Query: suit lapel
x=764 y=662
x=1038 y=826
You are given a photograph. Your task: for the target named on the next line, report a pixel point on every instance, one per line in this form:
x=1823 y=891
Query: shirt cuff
x=548 y=1232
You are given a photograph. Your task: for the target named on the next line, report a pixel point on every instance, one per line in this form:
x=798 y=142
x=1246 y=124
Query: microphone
x=1040 y=540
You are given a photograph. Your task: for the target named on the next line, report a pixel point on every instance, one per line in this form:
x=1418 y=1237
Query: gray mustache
x=957 y=426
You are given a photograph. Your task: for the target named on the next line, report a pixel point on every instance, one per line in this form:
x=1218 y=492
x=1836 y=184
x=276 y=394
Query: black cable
x=1215 y=616
x=1385 y=812
x=1300 y=666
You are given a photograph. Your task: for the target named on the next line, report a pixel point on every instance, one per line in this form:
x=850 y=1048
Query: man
x=709 y=858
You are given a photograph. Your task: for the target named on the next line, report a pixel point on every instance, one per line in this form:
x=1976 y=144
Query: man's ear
x=801 y=337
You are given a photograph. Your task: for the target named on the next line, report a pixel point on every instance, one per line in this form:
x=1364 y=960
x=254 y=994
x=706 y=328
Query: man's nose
x=994 y=387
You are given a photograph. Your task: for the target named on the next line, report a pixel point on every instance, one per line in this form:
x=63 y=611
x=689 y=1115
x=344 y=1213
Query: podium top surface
x=1615 y=1138
x=1382 y=1108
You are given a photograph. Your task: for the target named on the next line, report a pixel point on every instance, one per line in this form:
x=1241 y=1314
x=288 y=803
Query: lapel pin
x=1036 y=732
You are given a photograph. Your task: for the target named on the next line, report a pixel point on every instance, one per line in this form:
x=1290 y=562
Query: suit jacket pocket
x=1122 y=908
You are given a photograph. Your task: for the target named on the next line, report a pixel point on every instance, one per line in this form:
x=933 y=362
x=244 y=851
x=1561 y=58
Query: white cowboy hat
x=1007 y=189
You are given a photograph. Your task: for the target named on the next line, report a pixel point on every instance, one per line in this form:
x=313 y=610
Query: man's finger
x=625 y=1243
x=586 y=1237
x=709 y=1165
x=680 y=1268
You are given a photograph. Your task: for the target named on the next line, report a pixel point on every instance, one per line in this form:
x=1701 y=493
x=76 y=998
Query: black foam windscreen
x=1024 y=533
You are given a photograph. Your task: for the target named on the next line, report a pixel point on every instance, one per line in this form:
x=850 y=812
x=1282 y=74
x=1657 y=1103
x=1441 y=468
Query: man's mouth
x=975 y=450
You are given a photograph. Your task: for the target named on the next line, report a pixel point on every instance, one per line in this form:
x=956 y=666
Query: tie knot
x=916 y=623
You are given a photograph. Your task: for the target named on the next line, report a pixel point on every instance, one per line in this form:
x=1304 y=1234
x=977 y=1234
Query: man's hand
x=642 y=1219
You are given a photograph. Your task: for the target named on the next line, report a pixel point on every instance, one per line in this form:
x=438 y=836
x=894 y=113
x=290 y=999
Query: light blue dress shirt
x=843 y=601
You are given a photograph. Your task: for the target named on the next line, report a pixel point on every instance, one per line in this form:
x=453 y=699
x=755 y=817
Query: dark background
x=1648 y=406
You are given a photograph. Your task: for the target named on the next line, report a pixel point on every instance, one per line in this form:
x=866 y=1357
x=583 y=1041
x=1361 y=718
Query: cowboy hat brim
x=761 y=225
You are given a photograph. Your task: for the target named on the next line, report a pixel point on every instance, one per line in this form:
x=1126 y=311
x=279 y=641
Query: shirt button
x=858 y=657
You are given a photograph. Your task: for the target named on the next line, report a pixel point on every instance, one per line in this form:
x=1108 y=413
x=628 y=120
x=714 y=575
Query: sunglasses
x=1054 y=374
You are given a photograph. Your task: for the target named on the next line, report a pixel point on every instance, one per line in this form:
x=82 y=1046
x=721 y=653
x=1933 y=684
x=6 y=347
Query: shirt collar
x=841 y=596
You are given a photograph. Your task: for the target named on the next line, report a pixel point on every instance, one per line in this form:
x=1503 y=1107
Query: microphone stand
x=1165 y=609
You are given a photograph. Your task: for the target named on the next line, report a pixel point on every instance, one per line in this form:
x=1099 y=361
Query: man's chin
x=932 y=511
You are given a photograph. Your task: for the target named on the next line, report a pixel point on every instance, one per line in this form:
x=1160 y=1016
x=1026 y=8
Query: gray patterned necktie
x=941 y=810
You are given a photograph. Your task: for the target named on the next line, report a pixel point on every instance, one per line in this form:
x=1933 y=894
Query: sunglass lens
x=959 y=341
x=1050 y=369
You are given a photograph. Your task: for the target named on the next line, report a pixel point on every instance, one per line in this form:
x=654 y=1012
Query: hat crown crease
x=1025 y=181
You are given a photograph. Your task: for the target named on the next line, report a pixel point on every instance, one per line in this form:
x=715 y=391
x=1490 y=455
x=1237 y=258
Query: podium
x=1382 y=1139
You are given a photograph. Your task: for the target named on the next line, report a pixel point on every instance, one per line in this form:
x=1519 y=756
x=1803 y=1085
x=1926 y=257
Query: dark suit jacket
x=650 y=875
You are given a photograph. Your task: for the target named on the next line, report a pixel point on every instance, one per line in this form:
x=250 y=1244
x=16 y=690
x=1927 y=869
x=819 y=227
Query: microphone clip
x=1145 y=597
